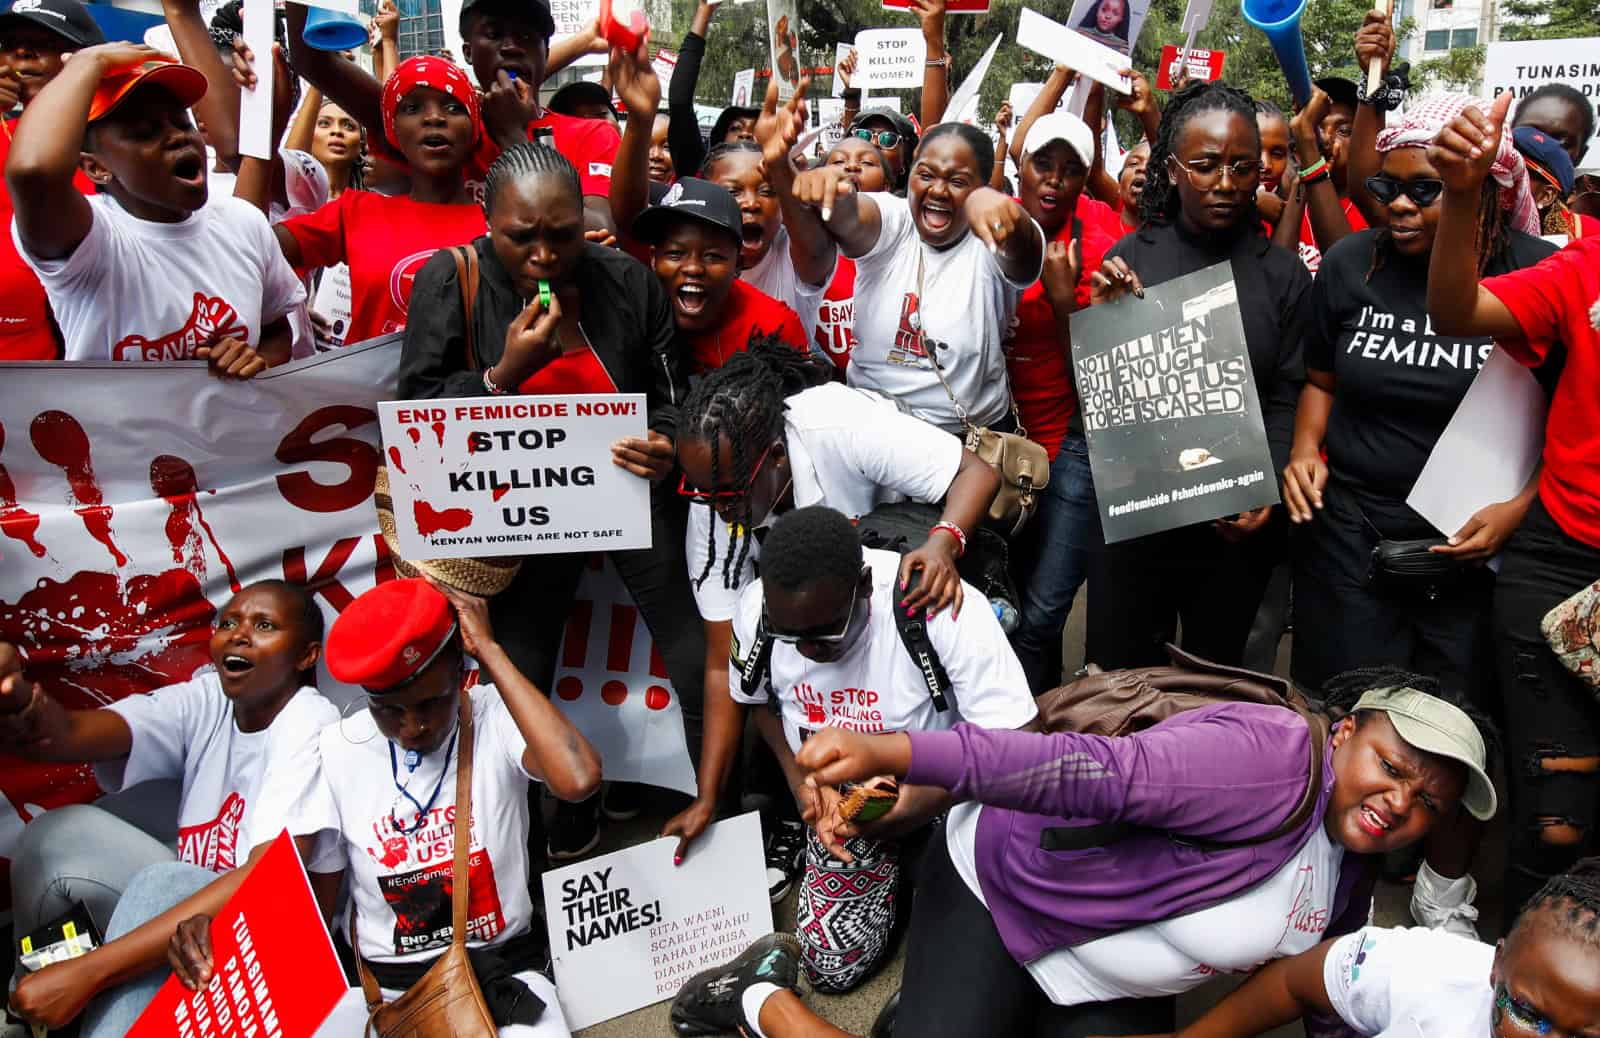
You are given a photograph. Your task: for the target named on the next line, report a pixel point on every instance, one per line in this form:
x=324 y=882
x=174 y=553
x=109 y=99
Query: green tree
x=1549 y=19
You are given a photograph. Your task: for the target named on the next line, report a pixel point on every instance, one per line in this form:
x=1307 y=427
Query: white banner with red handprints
x=134 y=499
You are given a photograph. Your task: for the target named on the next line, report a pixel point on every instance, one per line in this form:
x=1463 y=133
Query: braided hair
x=1341 y=692
x=726 y=148
x=1158 y=202
x=1569 y=902
x=743 y=402
x=528 y=159
x=1491 y=237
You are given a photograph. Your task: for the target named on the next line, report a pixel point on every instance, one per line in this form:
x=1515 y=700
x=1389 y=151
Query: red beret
x=389 y=634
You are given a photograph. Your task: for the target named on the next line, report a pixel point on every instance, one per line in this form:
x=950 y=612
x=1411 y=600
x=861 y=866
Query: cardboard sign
x=1169 y=407
x=743 y=83
x=514 y=475
x=664 y=63
x=573 y=16
x=1021 y=96
x=1074 y=50
x=1204 y=66
x=275 y=970
x=890 y=59
x=951 y=7
x=966 y=94
x=783 y=40
x=627 y=929
x=1521 y=66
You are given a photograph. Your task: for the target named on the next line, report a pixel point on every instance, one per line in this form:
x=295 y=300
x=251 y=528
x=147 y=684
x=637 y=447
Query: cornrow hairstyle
x=982 y=147
x=1569 y=902
x=743 y=402
x=808 y=545
x=1341 y=692
x=1269 y=108
x=1565 y=92
x=528 y=159
x=726 y=148
x=1158 y=202
x=1491 y=237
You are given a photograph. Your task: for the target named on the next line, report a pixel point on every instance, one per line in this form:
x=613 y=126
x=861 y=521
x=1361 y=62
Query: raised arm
x=1002 y=127
x=811 y=247
x=1044 y=102
x=1374 y=42
x=936 y=73
x=219 y=108
x=688 y=148
x=341 y=81
x=35 y=727
x=565 y=51
x=386 y=48
x=640 y=90
x=1328 y=223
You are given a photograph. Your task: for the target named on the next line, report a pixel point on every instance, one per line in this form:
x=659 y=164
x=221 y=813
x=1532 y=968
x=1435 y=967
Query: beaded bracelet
x=953 y=530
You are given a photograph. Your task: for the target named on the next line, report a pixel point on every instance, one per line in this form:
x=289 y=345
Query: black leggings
x=960 y=981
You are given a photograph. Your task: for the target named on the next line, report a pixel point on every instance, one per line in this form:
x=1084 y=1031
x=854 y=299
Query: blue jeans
x=1069 y=533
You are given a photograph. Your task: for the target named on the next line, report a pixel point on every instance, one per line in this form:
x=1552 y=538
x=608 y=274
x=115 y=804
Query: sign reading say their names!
x=1169 y=407
x=628 y=929
x=890 y=59
x=514 y=475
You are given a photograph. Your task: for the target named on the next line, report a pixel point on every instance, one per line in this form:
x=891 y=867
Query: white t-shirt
x=775 y=275
x=875 y=687
x=1411 y=983
x=398 y=881
x=1284 y=914
x=968 y=307
x=848 y=449
x=139 y=290
x=240 y=789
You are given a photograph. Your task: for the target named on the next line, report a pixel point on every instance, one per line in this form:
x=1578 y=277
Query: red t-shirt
x=25 y=327
x=385 y=239
x=1552 y=301
x=1588 y=226
x=1038 y=362
x=1310 y=255
x=589 y=144
x=836 y=315
x=750 y=312
x=575 y=371
x=1097 y=216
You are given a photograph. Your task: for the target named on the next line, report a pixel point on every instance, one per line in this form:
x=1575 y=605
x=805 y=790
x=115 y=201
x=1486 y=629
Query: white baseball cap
x=1063 y=126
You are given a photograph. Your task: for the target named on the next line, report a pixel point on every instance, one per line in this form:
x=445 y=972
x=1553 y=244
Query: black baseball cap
x=903 y=126
x=571 y=97
x=1340 y=91
x=68 y=19
x=536 y=11
x=694 y=199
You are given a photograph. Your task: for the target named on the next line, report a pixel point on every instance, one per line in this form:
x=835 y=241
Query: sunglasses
x=694 y=493
x=882 y=138
x=1423 y=192
x=826 y=639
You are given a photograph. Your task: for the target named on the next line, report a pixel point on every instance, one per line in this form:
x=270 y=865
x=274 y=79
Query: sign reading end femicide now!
x=1169 y=407
x=514 y=475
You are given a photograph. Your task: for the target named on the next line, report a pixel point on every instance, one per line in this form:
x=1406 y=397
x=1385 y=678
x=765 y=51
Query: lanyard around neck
x=422 y=809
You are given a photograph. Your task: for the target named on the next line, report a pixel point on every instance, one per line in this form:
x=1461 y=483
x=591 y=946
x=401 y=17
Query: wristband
x=490 y=385
x=1317 y=169
x=943 y=62
x=1324 y=172
x=953 y=530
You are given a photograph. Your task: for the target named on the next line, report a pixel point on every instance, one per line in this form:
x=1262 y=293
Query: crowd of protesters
x=826 y=327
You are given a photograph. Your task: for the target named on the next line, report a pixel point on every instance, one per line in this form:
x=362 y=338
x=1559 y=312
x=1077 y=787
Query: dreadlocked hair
x=1341 y=692
x=1158 y=201
x=808 y=545
x=1570 y=902
x=528 y=159
x=720 y=151
x=743 y=402
x=1491 y=236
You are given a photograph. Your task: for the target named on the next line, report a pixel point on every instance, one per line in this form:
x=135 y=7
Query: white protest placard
x=1489 y=450
x=627 y=929
x=572 y=16
x=1520 y=66
x=1021 y=96
x=967 y=92
x=664 y=63
x=890 y=101
x=840 y=52
x=743 y=83
x=516 y=475
x=255 y=103
x=334 y=303
x=1074 y=50
x=890 y=59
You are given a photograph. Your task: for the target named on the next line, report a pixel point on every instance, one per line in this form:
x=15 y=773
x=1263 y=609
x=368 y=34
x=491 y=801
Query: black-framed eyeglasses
x=1208 y=177
x=826 y=639
x=1424 y=192
x=882 y=138
x=1524 y=1017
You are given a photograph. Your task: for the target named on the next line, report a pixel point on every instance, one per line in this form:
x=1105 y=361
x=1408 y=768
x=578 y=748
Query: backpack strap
x=914 y=636
x=757 y=668
x=466 y=257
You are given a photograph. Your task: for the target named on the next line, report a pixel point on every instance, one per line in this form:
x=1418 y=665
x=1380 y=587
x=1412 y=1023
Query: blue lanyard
x=422 y=809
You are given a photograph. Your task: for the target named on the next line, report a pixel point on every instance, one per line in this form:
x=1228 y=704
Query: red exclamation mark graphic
x=61 y=441
x=16 y=522
x=575 y=648
x=656 y=697
x=619 y=652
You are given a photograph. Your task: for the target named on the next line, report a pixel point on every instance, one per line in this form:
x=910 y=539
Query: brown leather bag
x=446 y=1002
x=1122 y=702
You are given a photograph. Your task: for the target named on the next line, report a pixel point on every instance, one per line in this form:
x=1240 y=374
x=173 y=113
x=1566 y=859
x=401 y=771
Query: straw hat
x=485 y=577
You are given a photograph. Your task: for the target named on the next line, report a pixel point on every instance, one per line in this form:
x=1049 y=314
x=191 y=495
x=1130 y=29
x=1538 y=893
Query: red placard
x=951 y=7
x=275 y=969
x=1204 y=66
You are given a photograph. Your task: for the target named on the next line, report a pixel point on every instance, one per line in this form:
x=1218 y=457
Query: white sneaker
x=1445 y=904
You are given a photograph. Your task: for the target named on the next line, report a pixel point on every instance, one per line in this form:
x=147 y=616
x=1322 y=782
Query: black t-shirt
x=1398 y=381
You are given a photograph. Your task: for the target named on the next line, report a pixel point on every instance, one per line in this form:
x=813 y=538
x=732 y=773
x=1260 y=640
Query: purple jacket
x=1227 y=772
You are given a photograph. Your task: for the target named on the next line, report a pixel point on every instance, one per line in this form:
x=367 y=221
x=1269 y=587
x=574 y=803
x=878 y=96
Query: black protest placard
x=1170 y=408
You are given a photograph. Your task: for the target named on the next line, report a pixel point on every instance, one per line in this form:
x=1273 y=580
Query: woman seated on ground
x=241 y=738
x=1026 y=924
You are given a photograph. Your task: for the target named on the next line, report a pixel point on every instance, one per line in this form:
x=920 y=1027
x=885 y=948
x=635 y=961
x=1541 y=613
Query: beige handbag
x=1022 y=465
x=447 y=1002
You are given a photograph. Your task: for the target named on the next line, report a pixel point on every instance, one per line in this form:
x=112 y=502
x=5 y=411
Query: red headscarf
x=424 y=71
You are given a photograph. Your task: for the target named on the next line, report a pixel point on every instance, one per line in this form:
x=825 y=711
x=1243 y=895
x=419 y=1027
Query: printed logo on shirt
x=401 y=279
x=1303 y=915
x=1386 y=338
x=420 y=901
x=853 y=709
x=836 y=327
x=599 y=169
x=212 y=318
x=908 y=338
x=213 y=845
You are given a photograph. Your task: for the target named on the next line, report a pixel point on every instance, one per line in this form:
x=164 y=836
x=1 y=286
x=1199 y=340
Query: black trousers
x=1139 y=590
x=1341 y=623
x=1548 y=712
x=960 y=981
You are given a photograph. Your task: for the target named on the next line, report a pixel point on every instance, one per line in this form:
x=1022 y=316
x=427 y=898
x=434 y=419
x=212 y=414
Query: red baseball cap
x=388 y=635
x=186 y=83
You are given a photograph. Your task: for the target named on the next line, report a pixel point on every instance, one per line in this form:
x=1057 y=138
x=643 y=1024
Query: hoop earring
x=345 y=715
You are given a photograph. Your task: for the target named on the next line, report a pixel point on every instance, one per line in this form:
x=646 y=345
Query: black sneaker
x=575 y=830
x=786 y=851
x=883 y=1027
x=622 y=801
x=712 y=1002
